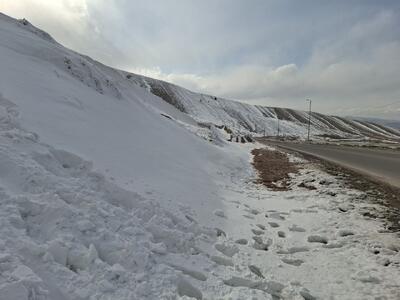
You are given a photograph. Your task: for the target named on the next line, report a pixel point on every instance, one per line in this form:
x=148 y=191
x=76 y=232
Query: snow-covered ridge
x=77 y=104
x=95 y=181
x=29 y=27
x=261 y=119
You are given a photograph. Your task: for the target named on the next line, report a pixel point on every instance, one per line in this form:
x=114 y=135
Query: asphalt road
x=381 y=164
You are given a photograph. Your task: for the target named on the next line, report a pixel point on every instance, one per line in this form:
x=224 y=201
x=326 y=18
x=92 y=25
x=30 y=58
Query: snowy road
x=378 y=163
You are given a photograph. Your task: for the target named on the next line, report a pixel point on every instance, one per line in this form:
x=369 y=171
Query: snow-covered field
x=108 y=192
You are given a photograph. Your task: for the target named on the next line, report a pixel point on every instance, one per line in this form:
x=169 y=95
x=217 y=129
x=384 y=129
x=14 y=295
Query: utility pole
x=278 y=128
x=309 y=119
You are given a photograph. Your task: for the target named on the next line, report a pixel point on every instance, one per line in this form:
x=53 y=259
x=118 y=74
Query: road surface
x=380 y=164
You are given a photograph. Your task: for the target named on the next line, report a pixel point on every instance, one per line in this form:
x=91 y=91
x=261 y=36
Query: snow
x=242 y=118
x=102 y=197
x=106 y=130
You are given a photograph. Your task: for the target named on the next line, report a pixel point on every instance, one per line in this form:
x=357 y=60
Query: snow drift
x=96 y=172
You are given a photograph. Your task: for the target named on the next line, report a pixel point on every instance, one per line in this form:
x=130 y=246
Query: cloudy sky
x=344 y=55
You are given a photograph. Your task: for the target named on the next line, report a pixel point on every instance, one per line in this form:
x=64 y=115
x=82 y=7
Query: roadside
x=382 y=165
x=375 y=191
x=307 y=241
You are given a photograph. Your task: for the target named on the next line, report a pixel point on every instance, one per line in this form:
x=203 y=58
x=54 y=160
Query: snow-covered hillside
x=395 y=124
x=78 y=105
x=254 y=119
x=78 y=134
x=109 y=192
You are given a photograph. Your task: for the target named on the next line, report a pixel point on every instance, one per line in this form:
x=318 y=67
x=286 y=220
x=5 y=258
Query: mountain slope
x=387 y=123
x=259 y=119
x=98 y=188
x=79 y=105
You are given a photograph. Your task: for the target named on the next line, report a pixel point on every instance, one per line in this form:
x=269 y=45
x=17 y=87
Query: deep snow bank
x=81 y=106
x=98 y=178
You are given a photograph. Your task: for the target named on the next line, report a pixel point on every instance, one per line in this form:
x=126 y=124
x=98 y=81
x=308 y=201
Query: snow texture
x=109 y=192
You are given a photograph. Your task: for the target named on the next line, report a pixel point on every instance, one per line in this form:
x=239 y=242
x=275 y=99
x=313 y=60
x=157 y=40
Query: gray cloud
x=343 y=54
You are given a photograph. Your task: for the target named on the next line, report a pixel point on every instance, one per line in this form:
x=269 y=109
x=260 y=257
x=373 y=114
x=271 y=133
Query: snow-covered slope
x=79 y=134
x=395 y=124
x=109 y=192
x=260 y=119
x=79 y=105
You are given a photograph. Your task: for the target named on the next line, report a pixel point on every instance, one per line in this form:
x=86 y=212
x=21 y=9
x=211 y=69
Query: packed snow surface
x=109 y=192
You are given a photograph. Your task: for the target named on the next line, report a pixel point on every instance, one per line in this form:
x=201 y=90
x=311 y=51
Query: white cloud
x=71 y=22
x=69 y=13
x=356 y=74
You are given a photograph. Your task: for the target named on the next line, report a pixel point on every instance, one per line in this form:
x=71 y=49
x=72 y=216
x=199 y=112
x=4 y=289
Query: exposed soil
x=274 y=168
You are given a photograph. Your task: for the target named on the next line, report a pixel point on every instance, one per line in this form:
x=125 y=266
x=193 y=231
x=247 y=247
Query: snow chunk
x=185 y=288
x=58 y=251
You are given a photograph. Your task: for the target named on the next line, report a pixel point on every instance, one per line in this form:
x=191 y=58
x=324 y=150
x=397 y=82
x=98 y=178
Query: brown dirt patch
x=273 y=168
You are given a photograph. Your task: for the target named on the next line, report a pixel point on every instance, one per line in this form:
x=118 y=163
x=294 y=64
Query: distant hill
x=257 y=119
x=389 y=123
